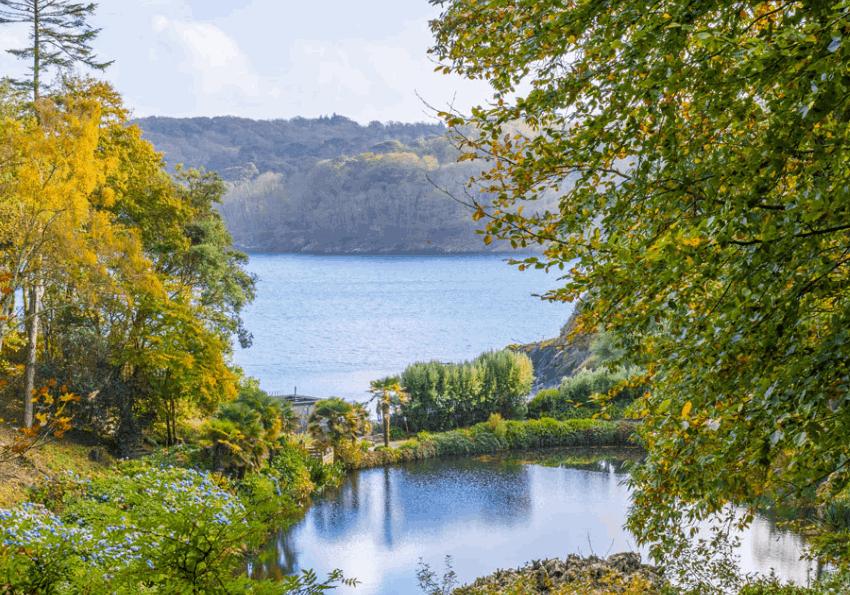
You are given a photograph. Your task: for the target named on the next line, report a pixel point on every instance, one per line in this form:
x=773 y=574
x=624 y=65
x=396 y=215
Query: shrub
x=144 y=529
x=517 y=435
x=456 y=442
x=153 y=525
x=409 y=445
x=497 y=425
x=447 y=396
x=348 y=454
x=837 y=583
x=572 y=400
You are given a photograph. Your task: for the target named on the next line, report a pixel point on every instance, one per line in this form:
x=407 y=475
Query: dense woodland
x=330 y=184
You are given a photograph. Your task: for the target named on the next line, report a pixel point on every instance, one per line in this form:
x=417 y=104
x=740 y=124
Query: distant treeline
x=330 y=184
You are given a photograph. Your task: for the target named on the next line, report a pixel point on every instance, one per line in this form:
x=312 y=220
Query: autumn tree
x=59 y=36
x=700 y=150
x=51 y=224
x=143 y=291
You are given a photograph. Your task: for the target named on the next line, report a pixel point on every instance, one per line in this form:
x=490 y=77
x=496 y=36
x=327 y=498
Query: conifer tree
x=59 y=35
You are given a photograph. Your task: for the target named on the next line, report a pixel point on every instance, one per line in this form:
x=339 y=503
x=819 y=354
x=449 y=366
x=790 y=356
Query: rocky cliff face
x=555 y=358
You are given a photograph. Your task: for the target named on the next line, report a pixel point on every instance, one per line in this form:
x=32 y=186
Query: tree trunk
x=32 y=343
x=36 y=57
x=385 y=412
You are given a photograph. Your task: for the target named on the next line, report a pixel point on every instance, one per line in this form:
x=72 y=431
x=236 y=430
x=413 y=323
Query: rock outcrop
x=556 y=358
x=612 y=575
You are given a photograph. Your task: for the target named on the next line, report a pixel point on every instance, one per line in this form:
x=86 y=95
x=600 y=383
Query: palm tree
x=334 y=420
x=384 y=390
x=362 y=424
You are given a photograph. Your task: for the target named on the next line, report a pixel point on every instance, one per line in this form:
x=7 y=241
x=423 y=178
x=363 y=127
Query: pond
x=486 y=512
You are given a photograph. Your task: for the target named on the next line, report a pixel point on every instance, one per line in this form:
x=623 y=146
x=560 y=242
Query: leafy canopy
x=700 y=153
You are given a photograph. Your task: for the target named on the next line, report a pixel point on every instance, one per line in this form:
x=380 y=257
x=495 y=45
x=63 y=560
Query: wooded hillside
x=329 y=184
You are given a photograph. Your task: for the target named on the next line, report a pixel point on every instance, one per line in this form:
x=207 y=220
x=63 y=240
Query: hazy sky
x=270 y=58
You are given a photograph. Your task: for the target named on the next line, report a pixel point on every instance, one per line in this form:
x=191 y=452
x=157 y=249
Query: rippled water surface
x=331 y=324
x=487 y=513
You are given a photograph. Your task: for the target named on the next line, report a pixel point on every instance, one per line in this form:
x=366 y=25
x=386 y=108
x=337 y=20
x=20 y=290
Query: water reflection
x=487 y=513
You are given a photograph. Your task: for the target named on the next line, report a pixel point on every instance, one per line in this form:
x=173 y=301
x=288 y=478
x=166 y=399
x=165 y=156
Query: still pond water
x=331 y=324
x=486 y=512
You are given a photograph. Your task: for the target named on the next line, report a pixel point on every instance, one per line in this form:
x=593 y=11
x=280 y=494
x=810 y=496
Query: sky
x=270 y=59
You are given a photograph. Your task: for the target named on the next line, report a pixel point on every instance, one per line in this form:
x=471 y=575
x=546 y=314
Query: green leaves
x=703 y=211
x=145 y=529
x=446 y=396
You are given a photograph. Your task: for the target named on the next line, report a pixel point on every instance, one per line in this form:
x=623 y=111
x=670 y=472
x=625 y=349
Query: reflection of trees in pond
x=764 y=536
x=340 y=513
x=457 y=488
x=602 y=460
x=388 y=510
x=279 y=559
x=387 y=504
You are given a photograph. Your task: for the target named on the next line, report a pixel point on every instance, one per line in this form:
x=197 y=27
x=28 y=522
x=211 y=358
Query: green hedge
x=497 y=435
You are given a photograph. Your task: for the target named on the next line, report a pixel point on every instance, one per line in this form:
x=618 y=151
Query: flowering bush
x=142 y=529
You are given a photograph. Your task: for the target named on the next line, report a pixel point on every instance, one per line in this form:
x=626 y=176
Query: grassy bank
x=493 y=436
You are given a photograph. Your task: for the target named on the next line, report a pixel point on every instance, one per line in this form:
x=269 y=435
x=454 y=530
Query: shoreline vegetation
x=496 y=436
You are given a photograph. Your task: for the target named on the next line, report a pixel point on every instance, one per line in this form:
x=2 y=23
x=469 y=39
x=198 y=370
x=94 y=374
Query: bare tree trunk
x=32 y=343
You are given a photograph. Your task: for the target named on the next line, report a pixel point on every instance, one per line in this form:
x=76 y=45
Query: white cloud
x=326 y=67
x=272 y=59
x=158 y=23
x=219 y=70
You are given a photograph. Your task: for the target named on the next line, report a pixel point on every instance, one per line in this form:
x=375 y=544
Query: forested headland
x=330 y=185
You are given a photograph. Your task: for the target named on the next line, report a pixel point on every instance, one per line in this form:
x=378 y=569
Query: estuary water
x=329 y=325
x=487 y=513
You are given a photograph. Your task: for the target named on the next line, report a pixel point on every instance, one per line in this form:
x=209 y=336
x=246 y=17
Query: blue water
x=487 y=513
x=329 y=325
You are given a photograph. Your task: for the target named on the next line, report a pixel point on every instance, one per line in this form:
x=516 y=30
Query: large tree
x=143 y=291
x=53 y=228
x=59 y=35
x=700 y=150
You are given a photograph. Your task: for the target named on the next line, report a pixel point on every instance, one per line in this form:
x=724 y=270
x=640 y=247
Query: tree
x=384 y=390
x=143 y=291
x=249 y=429
x=442 y=397
x=59 y=35
x=334 y=421
x=52 y=185
x=700 y=152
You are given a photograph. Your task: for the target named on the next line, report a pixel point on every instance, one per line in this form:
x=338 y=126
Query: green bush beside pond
x=498 y=435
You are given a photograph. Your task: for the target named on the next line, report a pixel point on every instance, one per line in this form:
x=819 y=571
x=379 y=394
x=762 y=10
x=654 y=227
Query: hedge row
x=497 y=435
